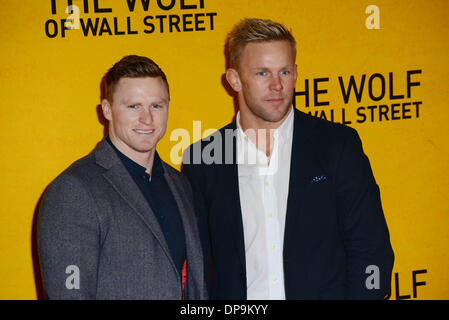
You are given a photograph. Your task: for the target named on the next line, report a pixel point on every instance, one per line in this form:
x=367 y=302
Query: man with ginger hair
x=297 y=213
x=119 y=223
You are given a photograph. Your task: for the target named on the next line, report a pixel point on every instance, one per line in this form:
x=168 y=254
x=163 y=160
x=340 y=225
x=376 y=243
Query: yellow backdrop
x=50 y=91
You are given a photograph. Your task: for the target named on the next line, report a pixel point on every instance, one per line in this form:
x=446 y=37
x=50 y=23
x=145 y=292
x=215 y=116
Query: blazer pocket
x=318 y=179
x=319 y=192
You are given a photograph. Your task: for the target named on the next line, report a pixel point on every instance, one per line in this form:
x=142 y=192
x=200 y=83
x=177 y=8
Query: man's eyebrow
x=268 y=69
x=130 y=102
x=134 y=102
x=162 y=101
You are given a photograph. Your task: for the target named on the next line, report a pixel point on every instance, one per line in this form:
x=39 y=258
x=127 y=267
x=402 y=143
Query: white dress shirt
x=263 y=185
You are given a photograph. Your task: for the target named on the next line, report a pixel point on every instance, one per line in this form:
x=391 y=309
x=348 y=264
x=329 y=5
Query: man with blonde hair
x=297 y=213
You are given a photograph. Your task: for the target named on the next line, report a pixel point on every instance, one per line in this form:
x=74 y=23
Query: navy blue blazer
x=335 y=228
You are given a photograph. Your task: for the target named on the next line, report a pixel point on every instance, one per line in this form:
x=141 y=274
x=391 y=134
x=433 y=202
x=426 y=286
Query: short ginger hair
x=131 y=66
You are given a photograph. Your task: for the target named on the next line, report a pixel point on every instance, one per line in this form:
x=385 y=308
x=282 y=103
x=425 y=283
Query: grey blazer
x=99 y=239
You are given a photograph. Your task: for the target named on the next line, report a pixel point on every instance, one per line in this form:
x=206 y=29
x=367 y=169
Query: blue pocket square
x=318 y=179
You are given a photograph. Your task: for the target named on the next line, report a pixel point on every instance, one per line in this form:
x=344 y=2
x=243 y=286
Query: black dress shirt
x=160 y=198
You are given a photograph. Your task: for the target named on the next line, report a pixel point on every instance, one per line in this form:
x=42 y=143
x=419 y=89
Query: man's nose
x=146 y=116
x=276 y=83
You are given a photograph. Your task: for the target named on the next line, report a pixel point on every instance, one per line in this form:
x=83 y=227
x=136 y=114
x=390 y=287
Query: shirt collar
x=283 y=132
x=136 y=169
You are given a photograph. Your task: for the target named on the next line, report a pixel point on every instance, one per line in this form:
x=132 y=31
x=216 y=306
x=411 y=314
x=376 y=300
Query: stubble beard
x=263 y=114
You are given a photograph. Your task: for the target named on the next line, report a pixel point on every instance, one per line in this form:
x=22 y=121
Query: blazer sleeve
x=365 y=233
x=68 y=240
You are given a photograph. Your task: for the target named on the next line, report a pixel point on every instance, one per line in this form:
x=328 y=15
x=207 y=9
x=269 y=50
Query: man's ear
x=106 y=107
x=233 y=78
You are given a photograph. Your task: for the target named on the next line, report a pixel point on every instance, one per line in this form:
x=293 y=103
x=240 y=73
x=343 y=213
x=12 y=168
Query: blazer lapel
x=301 y=163
x=125 y=186
x=194 y=285
x=229 y=180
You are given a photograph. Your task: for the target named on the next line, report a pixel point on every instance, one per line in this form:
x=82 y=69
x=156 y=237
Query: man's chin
x=144 y=149
x=276 y=115
x=142 y=146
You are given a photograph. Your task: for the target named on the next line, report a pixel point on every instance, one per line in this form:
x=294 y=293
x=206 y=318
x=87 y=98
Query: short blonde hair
x=255 y=30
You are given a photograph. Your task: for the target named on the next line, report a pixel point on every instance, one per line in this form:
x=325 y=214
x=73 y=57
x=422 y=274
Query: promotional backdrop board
x=380 y=67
